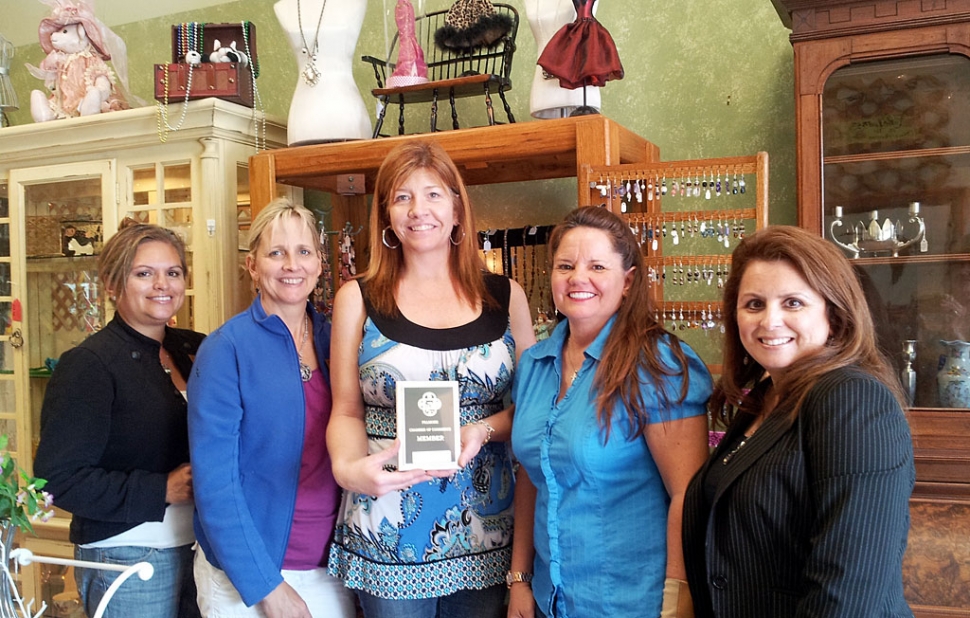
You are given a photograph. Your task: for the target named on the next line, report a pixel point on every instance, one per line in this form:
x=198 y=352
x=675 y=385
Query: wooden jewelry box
x=230 y=81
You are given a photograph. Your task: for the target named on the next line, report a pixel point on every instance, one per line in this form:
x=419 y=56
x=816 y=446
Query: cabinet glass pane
x=62 y=301
x=897 y=132
x=244 y=216
x=178 y=183
x=8 y=404
x=5 y=247
x=63 y=216
x=8 y=399
x=890 y=105
x=144 y=186
x=925 y=302
x=4 y=268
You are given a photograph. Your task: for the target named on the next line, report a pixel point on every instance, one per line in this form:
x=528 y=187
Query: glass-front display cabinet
x=896 y=199
x=882 y=100
x=65 y=187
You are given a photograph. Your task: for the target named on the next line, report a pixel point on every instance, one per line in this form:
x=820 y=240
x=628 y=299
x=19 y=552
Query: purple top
x=317 y=494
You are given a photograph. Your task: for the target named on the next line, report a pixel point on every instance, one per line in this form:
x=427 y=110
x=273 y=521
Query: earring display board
x=688 y=217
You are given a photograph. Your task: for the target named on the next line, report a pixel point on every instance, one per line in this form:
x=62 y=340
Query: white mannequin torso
x=548 y=99
x=333 y=109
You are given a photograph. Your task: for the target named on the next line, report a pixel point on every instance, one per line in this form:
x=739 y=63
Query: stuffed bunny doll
x=75 y=70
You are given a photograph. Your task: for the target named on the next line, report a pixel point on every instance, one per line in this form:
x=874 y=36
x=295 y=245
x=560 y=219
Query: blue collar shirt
x=601 y=508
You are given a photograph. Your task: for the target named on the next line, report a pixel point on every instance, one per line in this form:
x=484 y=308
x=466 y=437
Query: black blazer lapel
x=773 y=428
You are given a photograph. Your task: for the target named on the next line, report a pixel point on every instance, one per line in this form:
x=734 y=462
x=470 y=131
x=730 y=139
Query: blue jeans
x=170 y=593
x=487 y=603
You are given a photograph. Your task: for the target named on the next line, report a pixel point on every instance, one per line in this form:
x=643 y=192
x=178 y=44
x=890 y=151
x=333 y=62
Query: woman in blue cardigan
x=259 y=406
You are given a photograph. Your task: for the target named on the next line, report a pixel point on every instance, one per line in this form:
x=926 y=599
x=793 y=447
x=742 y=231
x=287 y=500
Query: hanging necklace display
x=323 y=294
x=311 y=75
x=348 y=265
x=529 y=266
x=259 y=112
x=191 y=42
x=305 y=372
x=543 y=324
x=506 y=256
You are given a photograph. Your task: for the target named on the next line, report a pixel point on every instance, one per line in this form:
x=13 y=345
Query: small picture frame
x=80 y=238
x=428 y=425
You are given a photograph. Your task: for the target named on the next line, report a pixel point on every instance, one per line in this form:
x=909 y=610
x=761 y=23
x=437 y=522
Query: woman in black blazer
x=803 y=508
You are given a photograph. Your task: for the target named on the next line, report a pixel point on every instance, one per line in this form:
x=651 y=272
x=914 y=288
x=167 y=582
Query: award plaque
x=428 y=425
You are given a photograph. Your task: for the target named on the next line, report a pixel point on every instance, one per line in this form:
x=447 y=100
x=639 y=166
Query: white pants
x=324 y=595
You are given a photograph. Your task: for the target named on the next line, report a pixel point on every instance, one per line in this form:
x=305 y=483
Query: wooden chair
x=459 y=75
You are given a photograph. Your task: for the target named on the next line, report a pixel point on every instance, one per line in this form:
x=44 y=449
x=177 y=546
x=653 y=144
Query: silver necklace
x=161 y=359
x=734 y=451
x=310 y=73
x=305 y=372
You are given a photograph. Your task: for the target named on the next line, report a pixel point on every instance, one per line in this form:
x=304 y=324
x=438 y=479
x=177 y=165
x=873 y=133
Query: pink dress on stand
x=411 y=68
x=582 y=53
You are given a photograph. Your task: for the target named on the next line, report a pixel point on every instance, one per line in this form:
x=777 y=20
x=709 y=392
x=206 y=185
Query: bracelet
x=516 y=577
x=488 y=429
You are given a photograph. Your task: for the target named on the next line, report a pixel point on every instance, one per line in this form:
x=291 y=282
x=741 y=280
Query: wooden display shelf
x=536 y=150
x=929 y=259
x=895 y=155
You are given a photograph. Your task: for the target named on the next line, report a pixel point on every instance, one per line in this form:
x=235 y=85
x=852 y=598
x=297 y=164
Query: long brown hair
x=632 y=347
x=852 y=340
x=385 y=264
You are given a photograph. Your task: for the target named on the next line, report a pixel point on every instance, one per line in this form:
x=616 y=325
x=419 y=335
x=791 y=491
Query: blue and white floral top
x=448 y=534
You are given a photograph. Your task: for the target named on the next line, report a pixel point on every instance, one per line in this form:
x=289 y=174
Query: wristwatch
x=515 y=577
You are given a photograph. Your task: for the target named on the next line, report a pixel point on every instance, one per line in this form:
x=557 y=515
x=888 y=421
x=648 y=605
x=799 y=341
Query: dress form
x=548 y=99
x=333 y=109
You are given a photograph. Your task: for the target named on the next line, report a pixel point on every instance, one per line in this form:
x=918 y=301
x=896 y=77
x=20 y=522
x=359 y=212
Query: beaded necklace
x=259 y=112
x=191 y=38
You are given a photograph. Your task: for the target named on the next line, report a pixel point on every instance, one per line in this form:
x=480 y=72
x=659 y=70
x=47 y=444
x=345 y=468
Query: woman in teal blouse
x=609 y=426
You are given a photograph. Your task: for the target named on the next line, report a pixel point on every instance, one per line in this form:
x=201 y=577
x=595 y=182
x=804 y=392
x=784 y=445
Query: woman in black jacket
x=803 y=509
x=114 y=437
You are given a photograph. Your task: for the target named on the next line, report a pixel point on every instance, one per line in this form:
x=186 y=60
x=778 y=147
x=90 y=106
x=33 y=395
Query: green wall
x=704 y=78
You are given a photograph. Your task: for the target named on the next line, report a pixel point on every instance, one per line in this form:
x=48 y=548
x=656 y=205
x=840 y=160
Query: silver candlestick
x=875 y=238
x=908 y=374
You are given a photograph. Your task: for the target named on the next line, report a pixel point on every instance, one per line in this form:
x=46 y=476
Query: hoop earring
x=384 y=239
x=451 y=236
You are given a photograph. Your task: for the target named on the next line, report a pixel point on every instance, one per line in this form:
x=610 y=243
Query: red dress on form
x=582 y=53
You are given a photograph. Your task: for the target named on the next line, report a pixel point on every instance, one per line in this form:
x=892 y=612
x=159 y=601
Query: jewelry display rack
x=689 y=216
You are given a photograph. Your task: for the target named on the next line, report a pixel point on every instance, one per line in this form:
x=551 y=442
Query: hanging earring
x=452 y=235
x=384 y=239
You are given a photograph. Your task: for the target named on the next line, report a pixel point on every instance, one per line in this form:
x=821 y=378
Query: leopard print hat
x=471 y=24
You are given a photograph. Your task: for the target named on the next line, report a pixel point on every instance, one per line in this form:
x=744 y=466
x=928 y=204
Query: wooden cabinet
x=883 y=122
x=65 y=186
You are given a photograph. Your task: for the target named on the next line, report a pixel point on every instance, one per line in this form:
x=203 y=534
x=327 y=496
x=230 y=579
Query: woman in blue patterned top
x=610 y=425
x=417 y=543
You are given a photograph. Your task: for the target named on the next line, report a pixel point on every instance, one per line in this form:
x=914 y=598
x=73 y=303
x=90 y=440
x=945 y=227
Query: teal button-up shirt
x=601 y=509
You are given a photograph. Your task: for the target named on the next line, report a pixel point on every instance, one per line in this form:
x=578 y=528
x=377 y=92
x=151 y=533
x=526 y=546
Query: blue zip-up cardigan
x=246 y=424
